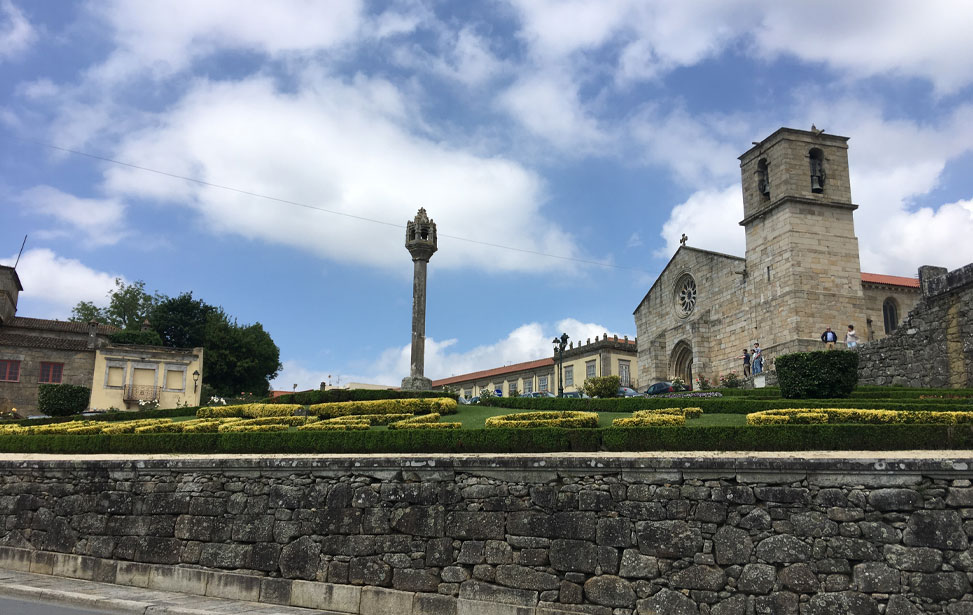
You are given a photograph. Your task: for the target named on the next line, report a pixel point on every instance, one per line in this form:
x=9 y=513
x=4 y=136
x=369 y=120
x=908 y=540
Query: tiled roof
x=507 y=369
x=58 y=325
x=40 y=341
x=889 y=280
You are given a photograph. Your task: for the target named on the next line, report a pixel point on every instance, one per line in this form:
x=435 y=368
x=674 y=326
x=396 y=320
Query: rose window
x=686 y=295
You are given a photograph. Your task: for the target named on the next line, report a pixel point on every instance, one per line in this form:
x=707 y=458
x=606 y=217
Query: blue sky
x=584 y=137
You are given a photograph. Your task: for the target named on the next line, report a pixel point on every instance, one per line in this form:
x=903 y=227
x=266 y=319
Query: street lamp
x=560 y=343
x=195 y=380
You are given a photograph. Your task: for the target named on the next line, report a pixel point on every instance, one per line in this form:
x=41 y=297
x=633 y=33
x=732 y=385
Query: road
x=18 y=607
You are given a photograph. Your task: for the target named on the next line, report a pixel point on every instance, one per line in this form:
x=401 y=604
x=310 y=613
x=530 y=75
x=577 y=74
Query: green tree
x=181 y=321
x=128 y=306
x=238 y=359
x=602 y=386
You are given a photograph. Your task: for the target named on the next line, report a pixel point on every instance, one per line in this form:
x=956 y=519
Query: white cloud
x=547 y=105
x=100 y=221
x=54 y=284
x=527 y=342
x=345 y=147
x=926 y=236
x=16 y=33
x=165 y=38
x=710 y=219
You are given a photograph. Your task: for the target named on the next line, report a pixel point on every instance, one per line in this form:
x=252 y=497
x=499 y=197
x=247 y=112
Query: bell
x=816 y=186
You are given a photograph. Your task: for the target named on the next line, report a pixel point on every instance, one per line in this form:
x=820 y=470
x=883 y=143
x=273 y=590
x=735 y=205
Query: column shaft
x=417 y=365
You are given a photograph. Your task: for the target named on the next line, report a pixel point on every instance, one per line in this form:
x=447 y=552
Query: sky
x=266 y=156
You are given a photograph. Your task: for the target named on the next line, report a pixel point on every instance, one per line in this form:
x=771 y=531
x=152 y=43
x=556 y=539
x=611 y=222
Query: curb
x=112 y=606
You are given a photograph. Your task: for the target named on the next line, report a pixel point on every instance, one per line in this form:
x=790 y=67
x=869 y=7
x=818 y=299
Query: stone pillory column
x=420 y=241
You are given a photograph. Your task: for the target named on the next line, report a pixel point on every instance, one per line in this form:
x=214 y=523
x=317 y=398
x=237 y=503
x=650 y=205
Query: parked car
x=576 y=395
x=628 y=392
x=540 y=394
x=463 y=400
x=659 y=388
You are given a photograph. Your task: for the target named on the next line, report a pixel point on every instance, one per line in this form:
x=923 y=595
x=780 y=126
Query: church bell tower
x=802 y=266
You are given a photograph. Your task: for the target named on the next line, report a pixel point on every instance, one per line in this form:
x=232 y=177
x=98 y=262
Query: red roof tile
x=889 y=280
x=507 y=369
x=40 y=341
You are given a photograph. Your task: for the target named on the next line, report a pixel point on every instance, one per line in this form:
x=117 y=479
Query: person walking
x=757 y=359
x=829 y=338
x=851 y=338
x=746 y=363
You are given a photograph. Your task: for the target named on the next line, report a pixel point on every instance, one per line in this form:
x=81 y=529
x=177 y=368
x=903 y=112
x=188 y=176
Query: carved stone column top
x=420 y=236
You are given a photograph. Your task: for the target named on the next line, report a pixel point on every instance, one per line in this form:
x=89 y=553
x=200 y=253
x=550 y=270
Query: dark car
x=659 y=388
x=628 y=392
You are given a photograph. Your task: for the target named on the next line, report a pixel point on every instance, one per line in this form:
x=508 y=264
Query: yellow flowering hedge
x=371 y=419
x=544 y=419
x=689 y=413
x=424 y=421
x=650 y=420
x=441 y=405
x=252 y=411
x=334 y=426
x=243 y=427
x=855 y=415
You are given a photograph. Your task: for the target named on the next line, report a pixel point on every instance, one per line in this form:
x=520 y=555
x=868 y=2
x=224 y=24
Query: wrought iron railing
x=136 y=392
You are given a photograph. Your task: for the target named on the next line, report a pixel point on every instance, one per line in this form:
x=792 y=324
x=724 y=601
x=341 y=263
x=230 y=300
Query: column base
x=416 y=383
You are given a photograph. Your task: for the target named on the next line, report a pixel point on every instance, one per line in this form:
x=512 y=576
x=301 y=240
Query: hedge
x=647 y=420
x=717 y=405
x=309 y=398
x=386 y=406
x=856 y=415
x=62 y=399
x=533 y=420
x=252 y=411
x=755 y=438
x=823 y=374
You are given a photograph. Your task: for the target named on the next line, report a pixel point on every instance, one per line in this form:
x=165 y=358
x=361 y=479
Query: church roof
x=889 y=280
x=23 y=322
x=516 y=367
x=677 y=253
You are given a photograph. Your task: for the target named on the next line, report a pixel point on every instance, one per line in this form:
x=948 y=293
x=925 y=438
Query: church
x=800 y=274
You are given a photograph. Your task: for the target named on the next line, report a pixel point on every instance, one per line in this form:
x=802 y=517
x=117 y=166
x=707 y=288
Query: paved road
x=18 y=607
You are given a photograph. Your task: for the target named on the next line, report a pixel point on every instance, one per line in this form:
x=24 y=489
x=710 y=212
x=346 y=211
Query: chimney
x=146 y=325
x=93 y=334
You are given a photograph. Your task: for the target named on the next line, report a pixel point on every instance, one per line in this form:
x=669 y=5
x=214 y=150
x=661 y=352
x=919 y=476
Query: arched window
x=763 y=178
x=891 y=314
x=816 y=159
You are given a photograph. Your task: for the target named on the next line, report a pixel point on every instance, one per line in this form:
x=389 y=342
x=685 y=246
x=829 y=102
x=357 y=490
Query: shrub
x=425 y=421
x=309 y=398
x=689 y=413
x=532 y=420
x=244 y=428
x=647 y=420
x=602 y=386
x=62 y=399
x=857 y=415
x=730 y=380
x=384 y=406
x=252 y=411
x=143 y=338
x=335 y=426
x=824 y=374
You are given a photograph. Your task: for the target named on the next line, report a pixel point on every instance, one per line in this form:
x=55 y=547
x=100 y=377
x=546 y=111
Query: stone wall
x=933 y=346
x=22 y=395
x=522 y=535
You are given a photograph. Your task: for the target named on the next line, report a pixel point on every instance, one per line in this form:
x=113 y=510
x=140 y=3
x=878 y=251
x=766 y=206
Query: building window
x=9 y=371
x=542 y=384
x=468 y=393
x=512 y=388
x=528 y=385
x=763 y=178
x=816 y=160
x=685 y=295
x=891 y=314
x=624 y=373
x=51 y=372
x=175 y=379
x=569 y=376
x=589 y=369
x=115 y=377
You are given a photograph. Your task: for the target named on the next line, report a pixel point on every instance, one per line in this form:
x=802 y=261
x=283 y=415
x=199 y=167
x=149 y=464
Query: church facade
x=800 y=273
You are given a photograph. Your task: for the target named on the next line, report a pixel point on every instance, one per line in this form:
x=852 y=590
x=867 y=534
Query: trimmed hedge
x=856 y=415
x=253 y=411
x=824 y=374
x=533 y=420
x=309 y=398
x=386 y=406
x=755 y=438
x=62 y=399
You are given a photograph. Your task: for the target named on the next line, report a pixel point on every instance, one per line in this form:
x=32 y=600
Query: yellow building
x=603 y=357
x=125 y=375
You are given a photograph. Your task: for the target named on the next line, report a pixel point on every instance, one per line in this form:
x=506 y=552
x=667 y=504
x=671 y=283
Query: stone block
x=476 y=607
x=42 y=562
x=895 y=499
x=275 y=591
x=672 y=539
x=610 y=590
x=614 y=532
x=299 y=559
x=476 y=525
x=486 y=592
x=415 y=580
x=326 y=596
x=709 y=578
x=667 y=602
x=757 y=579
x=134 y=574
x=369 y=571
x=573 y=555
x=15 y=559
x=783 y=549
x=178 y=579
x=234 y=587
x=433 y=604
x=522 y=577
x=732 y=546
x=939 y=529
x=381 y=601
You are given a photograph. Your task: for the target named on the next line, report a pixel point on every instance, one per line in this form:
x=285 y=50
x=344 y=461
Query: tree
x=128 y=306
x=236 y=358
x=181 y=321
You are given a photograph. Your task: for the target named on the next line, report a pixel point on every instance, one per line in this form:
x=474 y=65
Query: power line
x=318 y=208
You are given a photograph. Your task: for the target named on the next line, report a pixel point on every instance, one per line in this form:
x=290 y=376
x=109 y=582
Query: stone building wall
x=933 y=346
x=547 y=535
x=22 y=395
x=905 y=300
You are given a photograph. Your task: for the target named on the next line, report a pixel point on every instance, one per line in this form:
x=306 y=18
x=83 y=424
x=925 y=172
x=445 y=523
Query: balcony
x=136 y=392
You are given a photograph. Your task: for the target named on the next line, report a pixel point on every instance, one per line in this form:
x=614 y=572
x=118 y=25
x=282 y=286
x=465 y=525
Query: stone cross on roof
x=683 y=239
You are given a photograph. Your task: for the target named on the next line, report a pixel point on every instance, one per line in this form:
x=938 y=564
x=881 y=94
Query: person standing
x=851 y=338
x=757 y=359
x=746 y=363
x=829 y=337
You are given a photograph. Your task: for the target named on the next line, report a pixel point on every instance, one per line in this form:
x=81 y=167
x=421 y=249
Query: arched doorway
x=681 y=362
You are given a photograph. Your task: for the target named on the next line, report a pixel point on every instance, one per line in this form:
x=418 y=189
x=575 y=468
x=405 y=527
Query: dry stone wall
x=604 y=535
x=933 y=346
